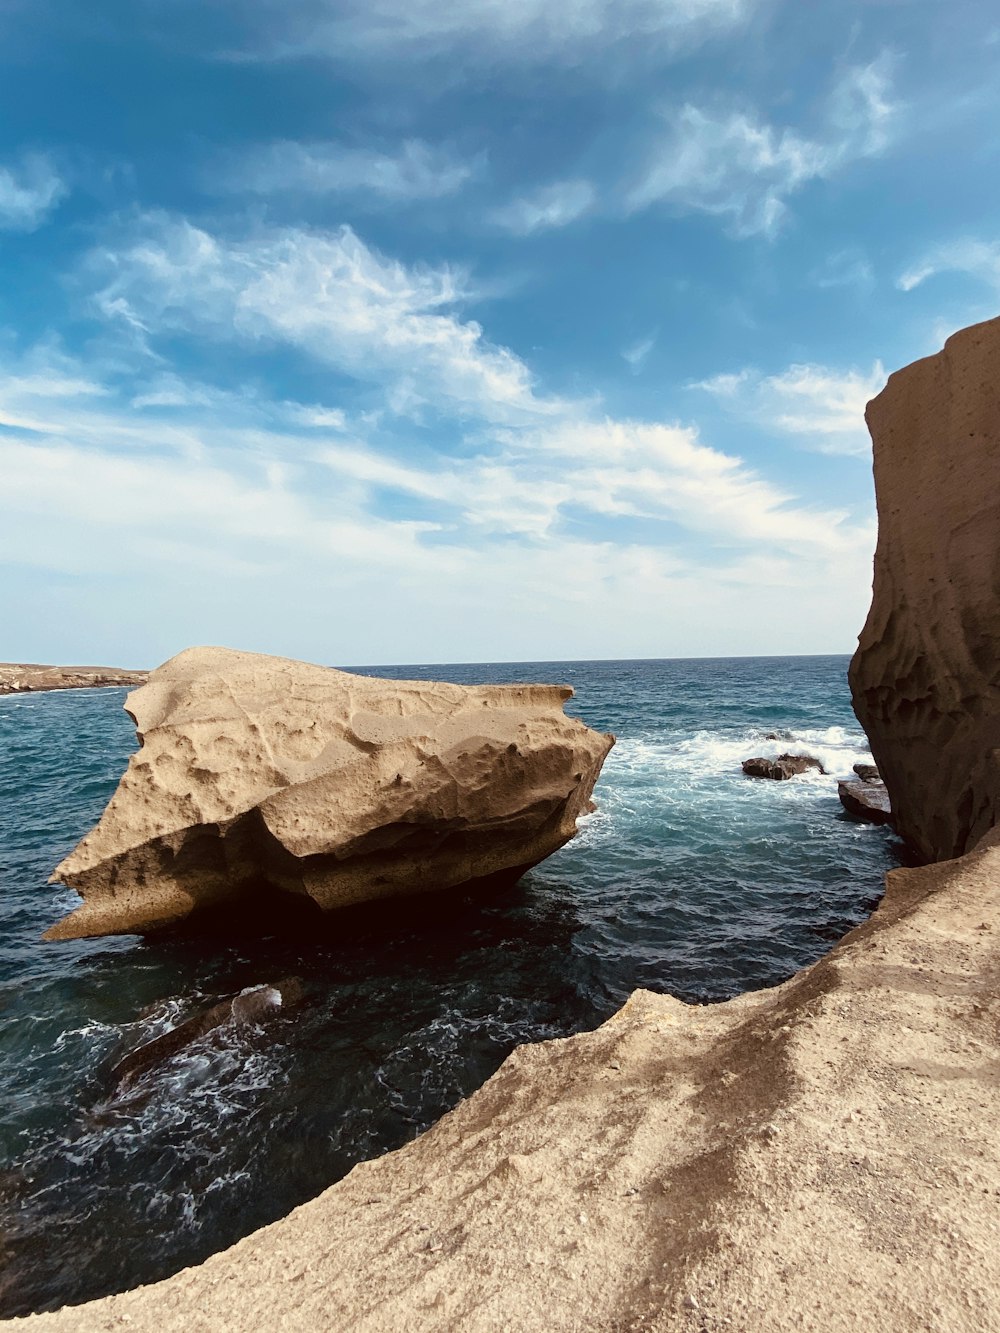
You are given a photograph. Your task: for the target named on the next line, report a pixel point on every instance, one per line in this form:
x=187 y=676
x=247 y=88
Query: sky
x=388 y=331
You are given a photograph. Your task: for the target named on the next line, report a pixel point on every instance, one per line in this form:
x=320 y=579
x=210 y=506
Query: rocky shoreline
x=29 y=677
x=821 y=1155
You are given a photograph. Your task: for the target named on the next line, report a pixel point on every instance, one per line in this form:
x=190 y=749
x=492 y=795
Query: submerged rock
x=251 y=1008
x=783 y=767
x=866 y=799
x=258 y=778
x=925 y=677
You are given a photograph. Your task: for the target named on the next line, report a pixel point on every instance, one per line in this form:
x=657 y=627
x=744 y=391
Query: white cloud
x=29 y=191
x=823 y=408
x=980 y=259
x=416 y=170
x=330 y=295
x=550 y=206
x=734 y=165
x=637 y=353
x=522 y=31
x=555 y=540
x=844 y=268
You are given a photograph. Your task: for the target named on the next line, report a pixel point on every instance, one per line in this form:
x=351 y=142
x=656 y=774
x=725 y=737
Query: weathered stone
x=866 y=799
x=867 y=772
x=251 y=1008
x=926 y=676
x=257 y=775
x=783 y=767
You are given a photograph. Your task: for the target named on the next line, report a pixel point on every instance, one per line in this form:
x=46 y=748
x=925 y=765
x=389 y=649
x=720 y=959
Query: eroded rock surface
x=926 y=676
x=258 y=775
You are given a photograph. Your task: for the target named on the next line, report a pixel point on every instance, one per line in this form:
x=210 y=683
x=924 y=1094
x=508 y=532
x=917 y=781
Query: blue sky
x=402 y=331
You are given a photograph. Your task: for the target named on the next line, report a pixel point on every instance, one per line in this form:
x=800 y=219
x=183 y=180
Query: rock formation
x=259 y=777
x=28 y=677
x=783 y=767
x=926 y=676
x=866 y=799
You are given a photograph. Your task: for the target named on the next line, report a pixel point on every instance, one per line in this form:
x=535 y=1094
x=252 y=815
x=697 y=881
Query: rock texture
x=821 y=1156
x=27 y=677
x=259 y=777
x=866 y=799
x=783 y=767
x=926 y=676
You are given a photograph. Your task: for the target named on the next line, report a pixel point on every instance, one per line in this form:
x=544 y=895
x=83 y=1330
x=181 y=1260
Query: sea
x=689 y=879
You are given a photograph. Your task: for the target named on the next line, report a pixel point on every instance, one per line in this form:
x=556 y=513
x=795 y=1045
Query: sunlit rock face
x=926 y=677
x=258 y=777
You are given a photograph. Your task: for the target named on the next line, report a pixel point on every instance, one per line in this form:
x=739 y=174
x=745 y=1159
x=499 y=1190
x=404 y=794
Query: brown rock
x=866 y=799
x=783 y=767
x=258 y=775
x=867 y=772
x=250 y=1008
x=926 y=676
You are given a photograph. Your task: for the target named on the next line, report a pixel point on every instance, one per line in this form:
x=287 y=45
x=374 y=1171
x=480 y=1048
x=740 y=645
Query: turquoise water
x=689 y=878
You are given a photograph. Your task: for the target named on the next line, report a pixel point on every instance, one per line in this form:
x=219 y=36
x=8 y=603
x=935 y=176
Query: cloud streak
x=415 y=170
x=30 y=190
x=823 y=408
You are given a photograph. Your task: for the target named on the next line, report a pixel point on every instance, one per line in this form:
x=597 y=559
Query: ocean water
x=689 y=878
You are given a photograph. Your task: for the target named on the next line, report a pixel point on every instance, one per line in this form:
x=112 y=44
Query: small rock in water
x=785 y=766
x=867 y=772
x=249 y=1008
x=866 y=799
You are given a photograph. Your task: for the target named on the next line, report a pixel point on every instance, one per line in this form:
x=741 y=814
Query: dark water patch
x=689 y=879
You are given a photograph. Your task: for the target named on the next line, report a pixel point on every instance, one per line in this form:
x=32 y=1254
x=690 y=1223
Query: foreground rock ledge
x=820 y=1156
x=259 y=777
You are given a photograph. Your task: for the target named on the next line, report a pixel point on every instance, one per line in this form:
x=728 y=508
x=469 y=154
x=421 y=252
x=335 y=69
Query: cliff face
x=926 y=676
x=259 y=777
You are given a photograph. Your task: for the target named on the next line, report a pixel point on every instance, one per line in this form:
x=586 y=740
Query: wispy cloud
x=328 y=294
x=415 y=170
x=979 y=259
x=549 y=206
x=636 y=354
x=30 y=190
x=823 y=408
x=844 y=268
x=734 y=165
x=525 y=32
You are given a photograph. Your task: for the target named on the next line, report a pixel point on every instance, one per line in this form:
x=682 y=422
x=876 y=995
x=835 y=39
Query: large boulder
x=259 y=777
x=926 y=677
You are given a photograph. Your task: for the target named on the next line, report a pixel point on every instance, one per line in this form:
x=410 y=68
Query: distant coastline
x=32 y=677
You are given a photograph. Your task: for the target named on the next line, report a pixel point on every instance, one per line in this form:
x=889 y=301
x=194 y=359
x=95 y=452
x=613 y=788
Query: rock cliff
x=926 y=676
x=259 y=777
